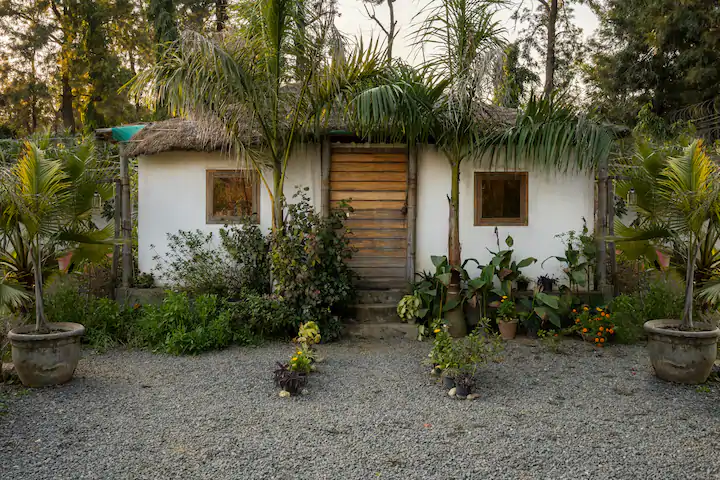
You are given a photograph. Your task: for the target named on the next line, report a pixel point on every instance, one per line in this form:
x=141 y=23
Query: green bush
x=309 y=265
x=106 y=323
x=262 y=316
x=629 y=312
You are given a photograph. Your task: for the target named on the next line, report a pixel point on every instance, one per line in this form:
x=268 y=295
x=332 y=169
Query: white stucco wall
x=556 y=204
x=172 y=194
x=172 y=197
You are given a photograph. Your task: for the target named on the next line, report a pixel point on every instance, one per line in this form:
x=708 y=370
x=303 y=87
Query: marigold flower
x=598 y=309
x=294 y=359
x=437 y=330
x=585 y=308
x=599 y=334
x=504 y=297
x=597 y=340
x=607 y=315
x=299 y=353
x=601 y=329
x=602 y=339
x=584 y=330
x=602 y=314
x=577 y=320
x=611 y=331
x=574 y=311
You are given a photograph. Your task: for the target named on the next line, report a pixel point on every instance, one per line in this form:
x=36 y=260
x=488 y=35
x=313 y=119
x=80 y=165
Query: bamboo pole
x=126 y=219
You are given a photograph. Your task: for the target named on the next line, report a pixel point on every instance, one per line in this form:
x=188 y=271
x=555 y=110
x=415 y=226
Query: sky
x=354 y=21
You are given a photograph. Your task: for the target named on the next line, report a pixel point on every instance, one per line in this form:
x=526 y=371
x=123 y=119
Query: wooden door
x=375 y=183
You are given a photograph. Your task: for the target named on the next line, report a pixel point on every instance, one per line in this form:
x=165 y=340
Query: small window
x=501 y=198
x=232 y=196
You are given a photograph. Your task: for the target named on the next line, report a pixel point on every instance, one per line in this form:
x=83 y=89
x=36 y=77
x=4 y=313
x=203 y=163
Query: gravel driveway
x=373 y=412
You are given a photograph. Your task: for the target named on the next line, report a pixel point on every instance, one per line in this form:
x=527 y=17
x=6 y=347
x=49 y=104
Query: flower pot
x=678 y=356
x=44 y=359
x=448 y=382
x=508 y=329
x=522 y=286
x=462 y=390
x=546 y=284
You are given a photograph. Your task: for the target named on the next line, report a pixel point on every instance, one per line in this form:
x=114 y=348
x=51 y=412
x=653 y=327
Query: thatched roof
x=179 y=134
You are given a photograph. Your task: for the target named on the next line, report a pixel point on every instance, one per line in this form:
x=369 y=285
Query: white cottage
x=399 y=195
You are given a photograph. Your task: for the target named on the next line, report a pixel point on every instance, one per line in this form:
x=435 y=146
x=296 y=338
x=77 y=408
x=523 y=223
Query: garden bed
x=372 y=411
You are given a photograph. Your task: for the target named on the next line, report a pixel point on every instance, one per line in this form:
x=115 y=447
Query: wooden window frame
x=210 y=175
x=522 y=221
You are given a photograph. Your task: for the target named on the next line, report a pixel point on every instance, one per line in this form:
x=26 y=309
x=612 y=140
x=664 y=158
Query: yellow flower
x=294 y=359
x=299 y=353
x=598 y=309
x=504 y=297
x=585 y=308
x=437 y=330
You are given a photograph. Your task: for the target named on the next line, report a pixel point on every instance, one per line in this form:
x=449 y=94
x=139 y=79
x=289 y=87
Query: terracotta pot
x=48 y=359
x=508 y=329
x=678 y=356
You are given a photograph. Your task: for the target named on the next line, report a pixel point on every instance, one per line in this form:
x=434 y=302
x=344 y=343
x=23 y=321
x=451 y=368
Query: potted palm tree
x=680 y=200
x=42 y=200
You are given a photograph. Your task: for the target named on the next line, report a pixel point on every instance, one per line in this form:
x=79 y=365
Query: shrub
x=262 y=317
x=595 y=325
x=107 y=324
x=629 y=312
x=195 y=264
x=309 y=264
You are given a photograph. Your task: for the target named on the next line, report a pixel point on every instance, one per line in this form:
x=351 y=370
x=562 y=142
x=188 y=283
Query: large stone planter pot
x=48 y=359
x=683 y=357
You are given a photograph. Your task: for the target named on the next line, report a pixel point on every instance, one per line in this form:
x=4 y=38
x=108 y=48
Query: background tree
x=516 y=81
x=659 y=52
x=391 y=30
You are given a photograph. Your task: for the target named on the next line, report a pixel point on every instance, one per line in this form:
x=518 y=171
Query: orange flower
x=601 y=329
x=611 y=331
x=577 y=320
x=602 y=314
x=597 y=339
x=584 y=330
x=607 y=315
x=574 y=311
x=599 y=334
x=602 y=339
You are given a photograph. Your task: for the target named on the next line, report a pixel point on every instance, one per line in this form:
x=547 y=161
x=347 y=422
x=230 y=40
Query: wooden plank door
x=375 y=183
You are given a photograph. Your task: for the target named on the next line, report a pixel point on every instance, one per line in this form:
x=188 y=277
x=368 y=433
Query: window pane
x=501 y=198
x=232 y=195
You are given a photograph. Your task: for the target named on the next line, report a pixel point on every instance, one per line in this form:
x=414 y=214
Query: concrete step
x=382 y=331
x=373 y=297
x=376 y=313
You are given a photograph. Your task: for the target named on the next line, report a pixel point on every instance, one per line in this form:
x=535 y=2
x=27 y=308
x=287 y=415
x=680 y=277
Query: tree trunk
x=220 y=14
x=41 y=323
x=278 y=197
x=391 y=31
x=687 y=320
x=550 y=54
x=455 y=317
x=68 y=115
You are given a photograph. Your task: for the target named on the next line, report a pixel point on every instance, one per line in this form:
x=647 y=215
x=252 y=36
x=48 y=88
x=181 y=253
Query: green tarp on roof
x=124 y=134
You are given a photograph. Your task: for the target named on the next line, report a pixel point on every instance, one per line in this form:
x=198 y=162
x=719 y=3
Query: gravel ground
x=373 y=412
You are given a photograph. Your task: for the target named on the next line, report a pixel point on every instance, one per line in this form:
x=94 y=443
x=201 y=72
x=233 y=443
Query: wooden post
x=126 y=219
x=118 y=235
x=601 y=233
x=325 y=153
x=611 y=232
x=411 y=210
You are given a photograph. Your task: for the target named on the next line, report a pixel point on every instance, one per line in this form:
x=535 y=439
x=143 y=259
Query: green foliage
x=309 y=266
x=506 y=268
x=550 y=339
x=629 y=312
x=540 y=308
x=506 y=310
x=195 y=264
x=465 y=355
x=300 y=363
x=579 y=257
x=409 y=307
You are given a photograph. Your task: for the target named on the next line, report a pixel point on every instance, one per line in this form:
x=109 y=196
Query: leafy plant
x=506 y=309
x=465 y=355
x=579 y=257
x=408 y=307
x=506 y=269
x=300 y=363
x=309 y=263
x=550 y=340
x=144 y=280
x=289 y=381
x=539 y=308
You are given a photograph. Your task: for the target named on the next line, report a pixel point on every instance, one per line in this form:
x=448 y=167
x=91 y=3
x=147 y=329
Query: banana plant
x=542 y=306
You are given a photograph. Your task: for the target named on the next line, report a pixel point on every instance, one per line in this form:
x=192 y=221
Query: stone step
x=382 y=331
x=374 y=297
x=376 y=313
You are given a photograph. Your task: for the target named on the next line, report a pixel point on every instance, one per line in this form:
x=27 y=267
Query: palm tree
x=45 y=211
x=278 y=78
x=678 y=204
x=446 y=101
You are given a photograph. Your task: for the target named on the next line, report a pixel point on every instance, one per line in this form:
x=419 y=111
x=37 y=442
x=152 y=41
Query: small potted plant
x=507 y=318
x=546 y=282
x=522 y=282
x=469 y=354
